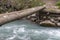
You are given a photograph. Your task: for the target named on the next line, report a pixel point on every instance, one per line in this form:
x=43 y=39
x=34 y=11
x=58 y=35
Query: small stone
x=4 y=16
x=33 y=8
x=58 y=24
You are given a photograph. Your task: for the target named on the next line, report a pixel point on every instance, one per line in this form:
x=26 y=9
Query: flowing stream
x=26 y=30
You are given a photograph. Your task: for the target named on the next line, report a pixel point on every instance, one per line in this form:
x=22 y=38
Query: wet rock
x=33 y=14
x=28 y=17
x=33 y=19
x=58 y=24
x=47 y=23
x=37 y=21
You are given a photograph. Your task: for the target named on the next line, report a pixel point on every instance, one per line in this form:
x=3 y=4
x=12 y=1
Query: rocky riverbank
x=45 y=20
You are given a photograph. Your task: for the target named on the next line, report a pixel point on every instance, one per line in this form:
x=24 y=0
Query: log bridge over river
x=48 y=12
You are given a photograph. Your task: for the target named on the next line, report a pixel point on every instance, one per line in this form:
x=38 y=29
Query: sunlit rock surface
x=25 y=30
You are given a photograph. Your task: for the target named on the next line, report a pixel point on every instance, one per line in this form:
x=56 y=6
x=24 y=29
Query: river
x=26 y=30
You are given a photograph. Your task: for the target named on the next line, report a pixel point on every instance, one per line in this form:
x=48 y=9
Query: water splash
x=25 y=30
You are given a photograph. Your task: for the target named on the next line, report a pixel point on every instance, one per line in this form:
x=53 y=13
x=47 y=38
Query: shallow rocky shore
x=52 y=22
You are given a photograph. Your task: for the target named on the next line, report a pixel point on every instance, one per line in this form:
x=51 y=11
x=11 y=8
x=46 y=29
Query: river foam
x=25 y=30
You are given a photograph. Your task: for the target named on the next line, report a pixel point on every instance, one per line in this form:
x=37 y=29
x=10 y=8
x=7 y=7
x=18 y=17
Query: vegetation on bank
x=15 y=5
x=58 y=4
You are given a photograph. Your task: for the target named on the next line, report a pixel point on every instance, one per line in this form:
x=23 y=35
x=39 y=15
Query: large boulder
x=47 y=23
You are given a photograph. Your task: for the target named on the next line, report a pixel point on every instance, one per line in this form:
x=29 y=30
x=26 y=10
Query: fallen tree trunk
x=7 y=17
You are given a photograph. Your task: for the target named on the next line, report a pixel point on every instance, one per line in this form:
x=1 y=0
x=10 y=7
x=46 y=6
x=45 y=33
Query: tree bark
x=7 y=17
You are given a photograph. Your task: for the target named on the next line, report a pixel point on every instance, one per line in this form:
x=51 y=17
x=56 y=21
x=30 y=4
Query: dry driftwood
x=7 y=17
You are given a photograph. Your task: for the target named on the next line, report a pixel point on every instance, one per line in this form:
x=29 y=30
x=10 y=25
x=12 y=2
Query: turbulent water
x=25 y=30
